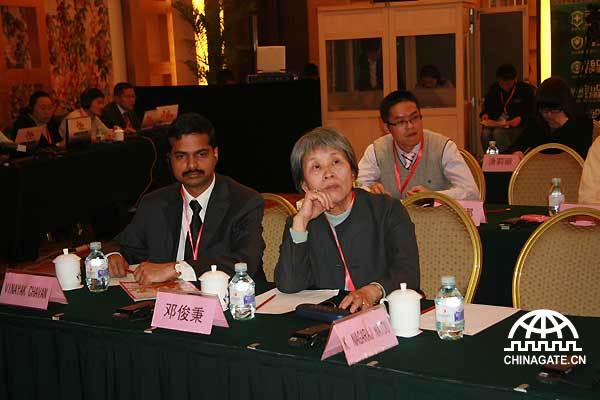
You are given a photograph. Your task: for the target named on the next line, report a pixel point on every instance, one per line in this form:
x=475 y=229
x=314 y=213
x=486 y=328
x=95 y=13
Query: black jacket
x=24 y=120
x=111 y=116
x=378 y=241
x=232 y=229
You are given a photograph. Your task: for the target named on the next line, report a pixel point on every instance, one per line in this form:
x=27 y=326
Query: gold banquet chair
x=448 y=242
x=277 y=209
x=531 y=180
x=559 y=266
x=476 y=171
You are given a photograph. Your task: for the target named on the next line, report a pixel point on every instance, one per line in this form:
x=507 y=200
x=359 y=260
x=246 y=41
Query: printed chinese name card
x=475 y=210
x=33 y=291
x=188 y=312
x=361 y=335
x=500 y=163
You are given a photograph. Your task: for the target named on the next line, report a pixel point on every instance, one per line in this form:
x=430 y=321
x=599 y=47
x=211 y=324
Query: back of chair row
x=531 y=180
x=559 y=266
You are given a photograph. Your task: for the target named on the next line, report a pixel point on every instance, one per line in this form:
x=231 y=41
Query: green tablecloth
x=501 y=249
x=88 y=355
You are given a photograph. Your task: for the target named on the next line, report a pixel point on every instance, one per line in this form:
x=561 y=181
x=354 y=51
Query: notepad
x=286 y=302
x=478 y=317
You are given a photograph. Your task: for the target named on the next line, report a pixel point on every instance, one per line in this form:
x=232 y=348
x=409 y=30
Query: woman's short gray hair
x=319 y=137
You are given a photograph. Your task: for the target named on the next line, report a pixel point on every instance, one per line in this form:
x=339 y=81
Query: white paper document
x=478 y=317
x=114 y=281
x=284 y=302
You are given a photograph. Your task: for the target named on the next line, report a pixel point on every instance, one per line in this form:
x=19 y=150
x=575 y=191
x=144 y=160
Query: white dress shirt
x=462 y=184
x=186 y=270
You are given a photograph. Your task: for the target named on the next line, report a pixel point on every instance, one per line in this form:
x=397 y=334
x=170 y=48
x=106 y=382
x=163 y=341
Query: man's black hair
x=121 y=87
x=192 y=124
x=394 y=98
x=506 y=72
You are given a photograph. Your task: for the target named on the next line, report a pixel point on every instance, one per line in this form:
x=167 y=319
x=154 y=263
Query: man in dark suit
x=204 y=219
x=39 y=113
x=121 y=111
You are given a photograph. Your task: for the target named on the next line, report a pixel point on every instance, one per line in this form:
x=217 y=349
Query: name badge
x=361 y=335
x=475 y=210
x=33 y=291
x=500 y=163
x=188 y=312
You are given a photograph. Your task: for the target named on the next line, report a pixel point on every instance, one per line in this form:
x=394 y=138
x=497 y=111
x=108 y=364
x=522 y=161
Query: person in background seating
x=40 y=112
x=557 y=120
x=410 y=159
x=92 y=104
x=121 y=111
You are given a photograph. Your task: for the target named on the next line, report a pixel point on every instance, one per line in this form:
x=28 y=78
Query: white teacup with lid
x=216 y=282
x=68 y=270
x=118 y=135
x=405 y=311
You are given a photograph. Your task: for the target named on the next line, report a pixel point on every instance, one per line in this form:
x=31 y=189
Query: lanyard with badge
x=505 y=104
x=349 y=285
x=189 y=230
x=401 y=187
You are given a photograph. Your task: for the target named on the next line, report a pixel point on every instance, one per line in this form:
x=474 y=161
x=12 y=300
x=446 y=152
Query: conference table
x=87 y=354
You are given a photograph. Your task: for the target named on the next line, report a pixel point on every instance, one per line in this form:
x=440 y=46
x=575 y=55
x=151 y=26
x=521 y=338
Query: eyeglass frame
x=404 y=123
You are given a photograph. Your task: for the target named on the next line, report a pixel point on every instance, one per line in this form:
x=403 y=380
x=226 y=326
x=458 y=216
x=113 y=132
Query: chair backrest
x=448 y=243
x=531 y=180
x=559 y=266
x=277 y=209
x=476 y=171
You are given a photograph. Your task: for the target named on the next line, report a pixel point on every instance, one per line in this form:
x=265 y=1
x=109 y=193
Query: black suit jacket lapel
x=218 y=204
x=173 y=211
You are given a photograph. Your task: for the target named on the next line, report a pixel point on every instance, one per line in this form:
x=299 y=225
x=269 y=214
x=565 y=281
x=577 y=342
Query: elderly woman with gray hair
x=342 y=237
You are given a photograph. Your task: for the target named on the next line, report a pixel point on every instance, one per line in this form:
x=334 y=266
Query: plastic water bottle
x=449 y=311
x=96 y=269
x=241 y=294
x=492 y=150
x=555 y=198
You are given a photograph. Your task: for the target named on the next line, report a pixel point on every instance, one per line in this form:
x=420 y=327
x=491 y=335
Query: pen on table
x=428 y=309
x=266 y=301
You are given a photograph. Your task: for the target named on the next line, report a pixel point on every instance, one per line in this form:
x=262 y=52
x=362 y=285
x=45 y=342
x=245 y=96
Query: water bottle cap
x=448 y=281
x=95 y=246
x=241 y=267
x=556 y=181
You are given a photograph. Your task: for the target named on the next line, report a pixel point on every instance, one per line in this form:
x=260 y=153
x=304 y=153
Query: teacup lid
x=65 y=257
x=404 y=294
x=213 y=274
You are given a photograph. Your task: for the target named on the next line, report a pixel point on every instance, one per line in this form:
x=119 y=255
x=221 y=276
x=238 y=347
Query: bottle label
x=241 y=298
x=555 y=200
x=449 y=314
x=96 y=268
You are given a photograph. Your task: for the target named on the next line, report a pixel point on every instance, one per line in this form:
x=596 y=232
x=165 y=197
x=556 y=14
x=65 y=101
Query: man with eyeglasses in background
x=410 y=159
